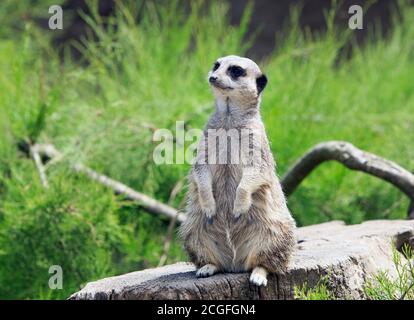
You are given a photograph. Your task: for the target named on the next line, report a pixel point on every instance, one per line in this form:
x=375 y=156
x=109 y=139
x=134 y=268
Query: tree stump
x=347 y=255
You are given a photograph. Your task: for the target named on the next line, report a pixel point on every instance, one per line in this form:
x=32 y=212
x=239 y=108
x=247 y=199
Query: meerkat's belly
x=226 y=178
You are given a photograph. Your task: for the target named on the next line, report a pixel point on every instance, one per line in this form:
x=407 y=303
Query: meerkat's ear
x=261 y=83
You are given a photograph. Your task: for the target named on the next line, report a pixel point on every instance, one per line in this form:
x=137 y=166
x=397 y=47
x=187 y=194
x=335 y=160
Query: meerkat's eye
x=236 y=72
x=216 y=66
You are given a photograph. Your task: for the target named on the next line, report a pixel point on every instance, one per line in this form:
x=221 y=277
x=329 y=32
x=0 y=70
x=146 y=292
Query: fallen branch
x=352 y=158
x=147 y=203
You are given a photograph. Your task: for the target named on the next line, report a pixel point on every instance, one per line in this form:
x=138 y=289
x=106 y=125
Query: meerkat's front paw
x=259 y=277
x=242 y=203
x=209 y=210
x=206 y=271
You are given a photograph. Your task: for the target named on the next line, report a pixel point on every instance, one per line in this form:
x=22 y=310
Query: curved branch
x=352 y=158
x=411 y=211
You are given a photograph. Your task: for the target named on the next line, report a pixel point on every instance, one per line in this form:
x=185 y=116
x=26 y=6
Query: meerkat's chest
x=223 y=173
x=225 y=179
x=225 y=148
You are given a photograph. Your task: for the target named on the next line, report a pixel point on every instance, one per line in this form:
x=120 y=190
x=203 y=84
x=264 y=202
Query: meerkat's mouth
x=221 y=86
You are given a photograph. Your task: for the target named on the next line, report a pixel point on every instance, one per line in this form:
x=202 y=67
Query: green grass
x=318 y=292
x=398 y=285
x=155 y=72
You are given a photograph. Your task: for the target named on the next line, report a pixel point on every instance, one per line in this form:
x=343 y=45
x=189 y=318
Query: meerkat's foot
x=259 y=276
x=206 y=271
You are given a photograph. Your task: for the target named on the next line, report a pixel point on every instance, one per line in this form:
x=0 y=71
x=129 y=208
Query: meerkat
x=237 y=217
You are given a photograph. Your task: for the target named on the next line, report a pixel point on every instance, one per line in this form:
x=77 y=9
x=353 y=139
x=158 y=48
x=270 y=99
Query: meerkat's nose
x=212 y=79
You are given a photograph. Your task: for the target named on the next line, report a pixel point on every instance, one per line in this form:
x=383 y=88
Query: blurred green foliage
x=152 y=73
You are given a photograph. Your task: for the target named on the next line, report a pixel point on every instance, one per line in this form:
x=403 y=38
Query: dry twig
x=34 y=153
x=171 y=227
x=149 y=204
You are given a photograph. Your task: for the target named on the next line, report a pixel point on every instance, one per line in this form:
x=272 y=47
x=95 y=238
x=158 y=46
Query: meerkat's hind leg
x=206 y=271
x=259 y=276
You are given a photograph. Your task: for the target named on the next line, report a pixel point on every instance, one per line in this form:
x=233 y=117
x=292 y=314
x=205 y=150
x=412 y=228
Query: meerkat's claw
x=259 y=277
x=240 y=209
x=237 y=213
x=206 y=271
x=241 y=205
x=237 y=216
x=209 y=210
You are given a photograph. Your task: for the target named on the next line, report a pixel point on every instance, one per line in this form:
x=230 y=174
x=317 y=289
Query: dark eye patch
x=216 y=66
x=236 y=72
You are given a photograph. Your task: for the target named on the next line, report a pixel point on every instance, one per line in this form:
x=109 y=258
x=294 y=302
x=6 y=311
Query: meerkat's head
x=238 y=79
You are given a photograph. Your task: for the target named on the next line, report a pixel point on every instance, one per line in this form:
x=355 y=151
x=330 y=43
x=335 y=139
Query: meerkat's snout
x=212 y=80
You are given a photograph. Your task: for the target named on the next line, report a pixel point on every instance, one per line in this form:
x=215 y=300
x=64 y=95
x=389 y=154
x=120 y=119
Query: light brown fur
x=237 y=215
